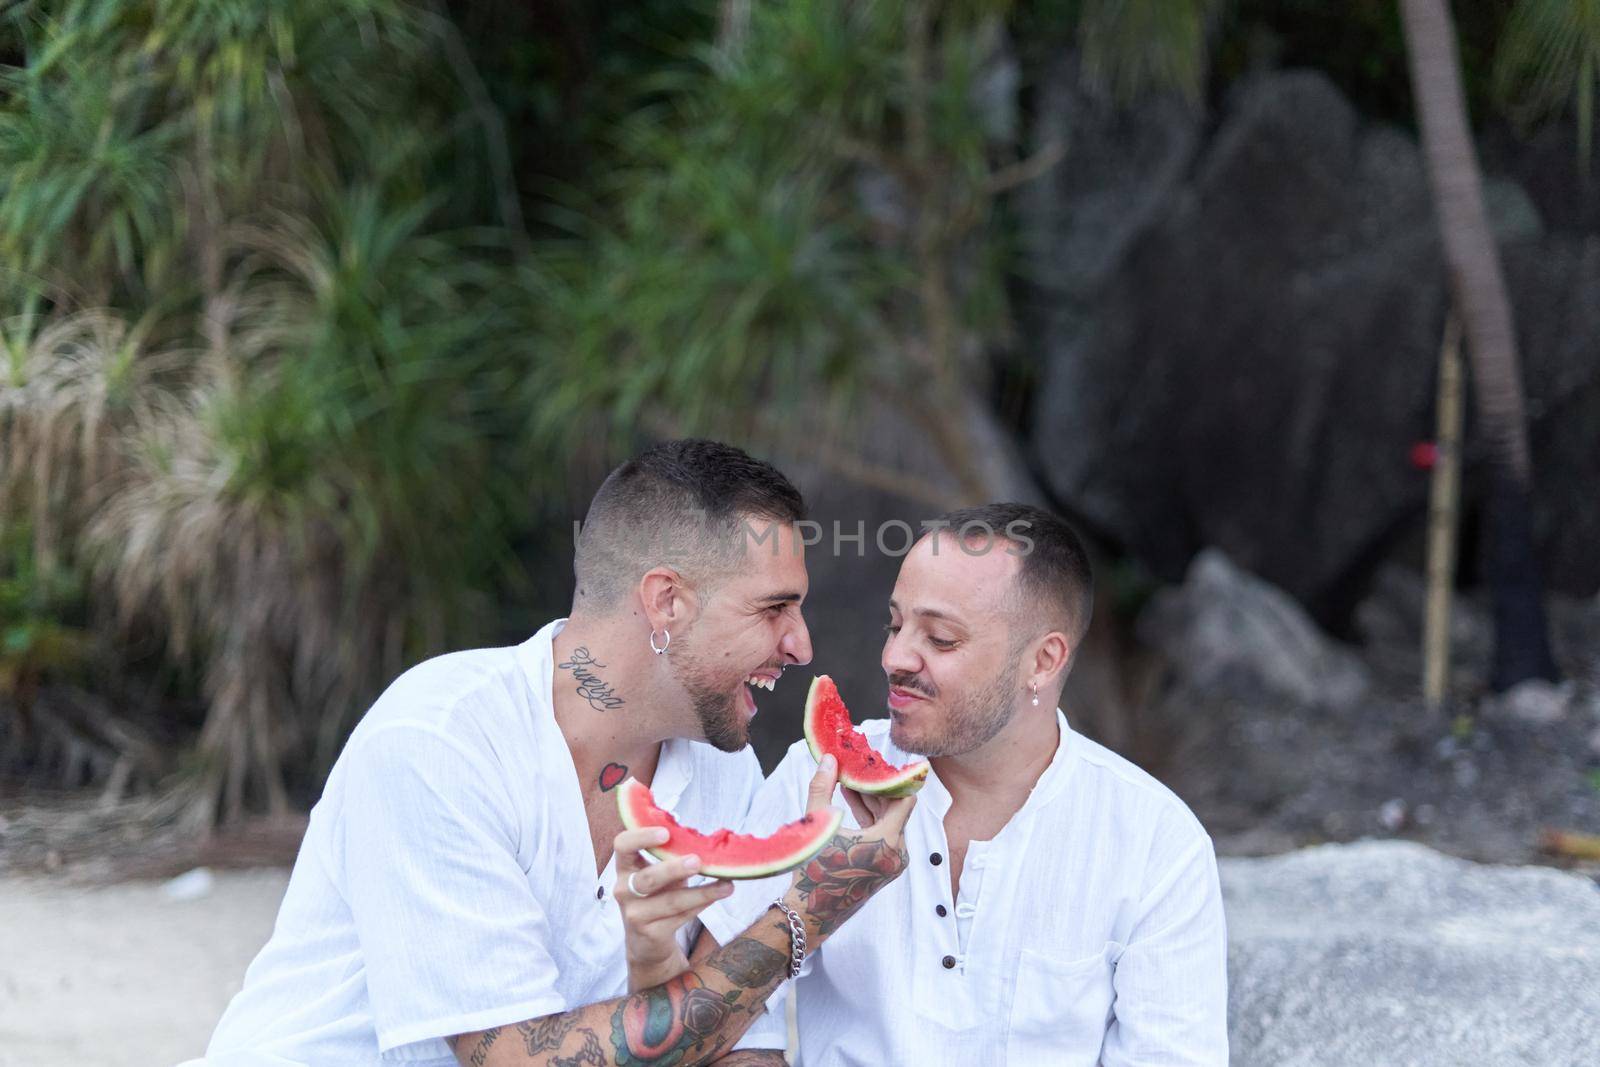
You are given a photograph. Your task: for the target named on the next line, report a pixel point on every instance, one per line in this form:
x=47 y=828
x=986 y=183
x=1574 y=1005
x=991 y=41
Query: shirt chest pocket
x=1059 y=1009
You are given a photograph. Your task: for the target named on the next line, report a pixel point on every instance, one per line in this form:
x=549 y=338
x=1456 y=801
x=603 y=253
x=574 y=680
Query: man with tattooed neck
x=1062 y=907
x=461 y=891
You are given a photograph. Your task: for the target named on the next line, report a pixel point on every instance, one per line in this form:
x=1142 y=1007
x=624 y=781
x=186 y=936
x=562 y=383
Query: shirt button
x=599 y=892
x=936 y=859
x=940 y=909
x=949 y=962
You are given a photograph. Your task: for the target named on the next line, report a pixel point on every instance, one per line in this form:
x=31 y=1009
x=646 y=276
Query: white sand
x=123 y=975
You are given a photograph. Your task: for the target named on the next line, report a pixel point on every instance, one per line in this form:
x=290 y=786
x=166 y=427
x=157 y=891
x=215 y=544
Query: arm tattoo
x=840 y=878
x=480 y=1052
x=591 y=687
x=542 y=1035
x=657 y=1026
x=749 y=963
x=590 y=1055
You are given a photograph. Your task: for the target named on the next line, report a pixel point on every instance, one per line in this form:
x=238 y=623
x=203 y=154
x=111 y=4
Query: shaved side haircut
x=1054 y=586
x=680 y=504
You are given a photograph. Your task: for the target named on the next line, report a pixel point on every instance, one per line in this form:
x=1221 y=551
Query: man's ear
x=1050 y=658
x=667 y=599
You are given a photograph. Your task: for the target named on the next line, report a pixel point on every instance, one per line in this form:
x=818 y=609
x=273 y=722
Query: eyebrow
x=929 y=613
x=779 y=598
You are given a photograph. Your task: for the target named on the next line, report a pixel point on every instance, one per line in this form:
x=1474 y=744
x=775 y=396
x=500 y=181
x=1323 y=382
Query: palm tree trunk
x=1522 y=644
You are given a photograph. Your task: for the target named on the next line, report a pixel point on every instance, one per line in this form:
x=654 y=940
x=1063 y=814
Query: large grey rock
x=1120 y=167
x=1225 y=629
x=1292 y=279
x=1555 y=292
x=1293 y=284
x=1389 y=953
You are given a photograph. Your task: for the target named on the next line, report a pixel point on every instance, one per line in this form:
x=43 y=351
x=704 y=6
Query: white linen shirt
x=1090 y=929
x=446 y=882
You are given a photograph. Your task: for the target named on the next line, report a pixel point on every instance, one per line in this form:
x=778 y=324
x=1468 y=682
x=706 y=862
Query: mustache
x=914 y=683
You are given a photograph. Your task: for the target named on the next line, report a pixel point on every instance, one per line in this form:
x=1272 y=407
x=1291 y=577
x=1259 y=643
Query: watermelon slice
x=830 y=731
x=725 y=854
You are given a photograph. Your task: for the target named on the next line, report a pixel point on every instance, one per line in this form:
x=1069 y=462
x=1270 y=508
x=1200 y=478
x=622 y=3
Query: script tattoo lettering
x=480 y=1054
x=840 y=878
x=591 y=687
x=748 y=963
x=542 y=1035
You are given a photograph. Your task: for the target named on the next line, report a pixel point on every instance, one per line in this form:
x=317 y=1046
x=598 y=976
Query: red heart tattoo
x=611 y=776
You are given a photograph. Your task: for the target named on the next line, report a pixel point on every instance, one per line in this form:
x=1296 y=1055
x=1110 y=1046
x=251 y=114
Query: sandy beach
x=124 y=975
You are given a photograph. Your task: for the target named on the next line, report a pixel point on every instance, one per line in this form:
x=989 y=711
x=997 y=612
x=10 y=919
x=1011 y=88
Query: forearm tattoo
x=839 y=879
x=685 y=1019
x=748 y=963
x=480 y=1051
x=542 y=1035
x=591 y=686
x=657 y=1026
x=694 y=1017
x=592 y=1054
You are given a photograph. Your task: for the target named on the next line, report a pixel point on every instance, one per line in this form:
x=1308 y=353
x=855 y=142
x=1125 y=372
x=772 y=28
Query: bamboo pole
x=1444 y=502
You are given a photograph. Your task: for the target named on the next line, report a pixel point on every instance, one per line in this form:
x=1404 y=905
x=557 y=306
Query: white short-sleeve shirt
x=1088 y=930
x=446 y=882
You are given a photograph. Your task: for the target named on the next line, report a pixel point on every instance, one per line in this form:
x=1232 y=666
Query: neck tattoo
x=598 y=693
x=611 y=776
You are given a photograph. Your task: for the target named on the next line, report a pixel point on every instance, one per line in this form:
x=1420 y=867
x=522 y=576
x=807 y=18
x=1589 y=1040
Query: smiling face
x=748 y=629
x=954 y=674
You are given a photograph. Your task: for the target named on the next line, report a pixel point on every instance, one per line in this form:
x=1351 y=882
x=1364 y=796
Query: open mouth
x=764 y=679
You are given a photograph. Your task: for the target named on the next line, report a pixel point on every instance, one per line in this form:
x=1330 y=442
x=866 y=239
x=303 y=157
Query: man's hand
x=866 y=807
x=663 y=903
x=696 y=1016
x=854 y=864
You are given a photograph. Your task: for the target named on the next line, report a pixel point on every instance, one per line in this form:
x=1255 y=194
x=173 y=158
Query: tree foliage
x=256 y=385
x=1550 y=59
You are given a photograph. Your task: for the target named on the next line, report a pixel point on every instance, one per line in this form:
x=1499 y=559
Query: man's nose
x=898 y=656
x=796 y=644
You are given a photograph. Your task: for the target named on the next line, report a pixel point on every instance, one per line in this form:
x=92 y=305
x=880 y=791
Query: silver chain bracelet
x=797 y=937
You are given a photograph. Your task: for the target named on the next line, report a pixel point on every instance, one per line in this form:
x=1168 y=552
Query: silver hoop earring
x=667 y=640
x=1035 y=694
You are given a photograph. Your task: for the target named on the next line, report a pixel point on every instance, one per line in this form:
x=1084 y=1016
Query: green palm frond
x=1549 y=58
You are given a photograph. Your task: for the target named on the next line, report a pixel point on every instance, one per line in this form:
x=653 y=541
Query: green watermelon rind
x=634 y=790
x=904 y=783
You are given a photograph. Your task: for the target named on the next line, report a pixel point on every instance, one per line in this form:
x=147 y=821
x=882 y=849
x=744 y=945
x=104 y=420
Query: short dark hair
x=680 y=504
x=1054 y=573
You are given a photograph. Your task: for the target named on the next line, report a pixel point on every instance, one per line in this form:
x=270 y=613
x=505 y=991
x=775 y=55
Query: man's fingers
x=628 y=844
x=677 y=906
x=820 y=797
x=654 y=878
x=865 y=816
x=894 y=815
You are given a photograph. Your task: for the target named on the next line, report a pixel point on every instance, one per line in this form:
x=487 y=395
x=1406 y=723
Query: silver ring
x=633 y=888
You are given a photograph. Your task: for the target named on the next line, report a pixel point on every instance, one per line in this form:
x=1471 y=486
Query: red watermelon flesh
x=861 y=767
x=723 y=853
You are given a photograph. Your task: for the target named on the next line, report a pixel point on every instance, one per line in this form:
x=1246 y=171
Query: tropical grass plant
x=71 y=386
x=255 y=385
x=324 y=507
